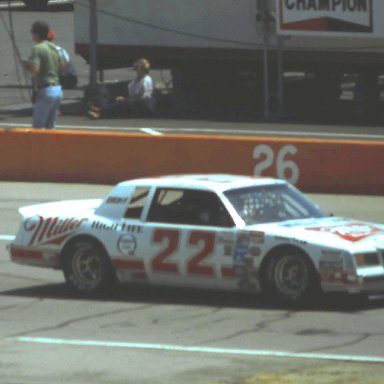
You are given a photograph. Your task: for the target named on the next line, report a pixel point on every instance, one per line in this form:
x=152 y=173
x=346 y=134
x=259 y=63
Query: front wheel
x=291 y=278
x=87 y=269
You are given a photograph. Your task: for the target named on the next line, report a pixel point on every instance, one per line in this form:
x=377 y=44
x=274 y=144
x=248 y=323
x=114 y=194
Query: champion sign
x=325 y=16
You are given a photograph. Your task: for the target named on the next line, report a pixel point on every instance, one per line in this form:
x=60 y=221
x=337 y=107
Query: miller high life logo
x=52 y=230
x=332 y=16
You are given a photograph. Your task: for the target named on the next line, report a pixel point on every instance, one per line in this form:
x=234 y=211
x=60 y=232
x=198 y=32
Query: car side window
x=188 y=206
x=137 y=203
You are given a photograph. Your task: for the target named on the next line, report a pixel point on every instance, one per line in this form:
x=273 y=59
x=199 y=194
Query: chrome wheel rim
x=87 y=266
x=291 y=276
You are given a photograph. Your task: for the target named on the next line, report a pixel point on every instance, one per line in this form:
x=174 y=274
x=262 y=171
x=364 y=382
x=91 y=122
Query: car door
x=132 y=263
x=190 y=238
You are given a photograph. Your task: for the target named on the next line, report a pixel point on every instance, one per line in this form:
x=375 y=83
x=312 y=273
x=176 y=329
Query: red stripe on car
x=26 y=254
x=227 y=272
x=135 y=265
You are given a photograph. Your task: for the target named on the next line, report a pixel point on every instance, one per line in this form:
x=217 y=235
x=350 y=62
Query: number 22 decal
x=161 y=262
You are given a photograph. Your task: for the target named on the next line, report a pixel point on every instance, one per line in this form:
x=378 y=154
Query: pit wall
x=330 y=166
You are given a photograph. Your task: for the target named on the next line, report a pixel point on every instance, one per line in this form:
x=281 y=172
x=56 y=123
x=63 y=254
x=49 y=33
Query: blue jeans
x=46 y=105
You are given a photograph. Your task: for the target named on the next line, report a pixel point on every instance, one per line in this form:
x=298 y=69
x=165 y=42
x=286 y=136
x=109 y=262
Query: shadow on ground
x=156 y=295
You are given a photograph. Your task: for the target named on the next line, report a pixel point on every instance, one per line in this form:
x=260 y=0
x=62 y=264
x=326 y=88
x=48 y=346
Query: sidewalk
x=14 y=101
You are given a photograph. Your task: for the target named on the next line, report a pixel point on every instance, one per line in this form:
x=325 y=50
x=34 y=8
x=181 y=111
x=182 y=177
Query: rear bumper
x=34 y=257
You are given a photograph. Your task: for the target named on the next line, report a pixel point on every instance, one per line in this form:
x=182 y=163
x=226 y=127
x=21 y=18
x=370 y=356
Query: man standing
x=45 y=65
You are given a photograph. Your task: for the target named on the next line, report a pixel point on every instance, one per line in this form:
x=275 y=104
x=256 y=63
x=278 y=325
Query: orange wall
x=107 y=157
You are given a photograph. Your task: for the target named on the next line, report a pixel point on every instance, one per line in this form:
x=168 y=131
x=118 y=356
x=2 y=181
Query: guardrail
x=313 y=165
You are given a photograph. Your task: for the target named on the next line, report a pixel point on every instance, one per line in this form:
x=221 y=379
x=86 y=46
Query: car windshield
x=271 y=203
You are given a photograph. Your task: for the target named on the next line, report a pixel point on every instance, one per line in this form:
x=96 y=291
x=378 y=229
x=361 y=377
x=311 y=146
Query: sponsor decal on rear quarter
x=51 y=230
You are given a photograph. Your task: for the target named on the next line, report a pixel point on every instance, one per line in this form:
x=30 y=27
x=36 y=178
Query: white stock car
x=206 y=231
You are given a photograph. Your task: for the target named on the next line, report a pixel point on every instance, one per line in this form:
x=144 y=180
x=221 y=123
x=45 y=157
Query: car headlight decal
x=368 y=259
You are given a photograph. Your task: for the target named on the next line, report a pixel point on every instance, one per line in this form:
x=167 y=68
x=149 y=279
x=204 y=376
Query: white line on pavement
x=86 y=127
x=21 y=4
x=159 y=131
x=199 y=349
x=216 y=131
x=7 y=237
x=151 y=131
x=297 y=134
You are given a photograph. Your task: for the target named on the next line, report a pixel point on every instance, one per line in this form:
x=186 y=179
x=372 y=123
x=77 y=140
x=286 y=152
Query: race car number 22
x=285 y=168
x=162 y=263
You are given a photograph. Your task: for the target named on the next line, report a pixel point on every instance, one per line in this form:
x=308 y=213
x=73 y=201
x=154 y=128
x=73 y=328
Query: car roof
x=211 y=182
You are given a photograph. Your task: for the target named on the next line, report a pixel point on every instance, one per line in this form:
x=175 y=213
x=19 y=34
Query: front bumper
x=373 y=285
x=364 y=280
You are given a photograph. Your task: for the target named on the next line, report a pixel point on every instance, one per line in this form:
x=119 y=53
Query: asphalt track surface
x=165 y=335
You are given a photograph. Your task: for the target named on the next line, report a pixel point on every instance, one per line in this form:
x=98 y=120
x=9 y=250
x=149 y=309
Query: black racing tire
x=35 y=5
x=290 y=277
x=87 y=268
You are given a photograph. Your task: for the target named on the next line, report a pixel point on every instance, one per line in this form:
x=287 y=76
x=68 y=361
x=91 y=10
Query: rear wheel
x=290 y=277
x=87 y=268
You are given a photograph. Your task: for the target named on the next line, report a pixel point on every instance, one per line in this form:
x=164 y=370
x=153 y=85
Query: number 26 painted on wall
x=285 y=168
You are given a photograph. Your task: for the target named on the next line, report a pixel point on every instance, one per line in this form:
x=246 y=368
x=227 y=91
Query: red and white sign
x=351 y=232
x=325 y=17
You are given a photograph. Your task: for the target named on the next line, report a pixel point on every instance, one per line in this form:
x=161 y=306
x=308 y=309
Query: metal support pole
x=264 y=17
x=266 y=80
x=93 y=43
x=280 y=77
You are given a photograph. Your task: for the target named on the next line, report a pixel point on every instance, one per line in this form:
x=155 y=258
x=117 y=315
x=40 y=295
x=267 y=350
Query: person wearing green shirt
x=45 y=65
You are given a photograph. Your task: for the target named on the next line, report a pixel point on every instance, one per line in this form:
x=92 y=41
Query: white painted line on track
x=151 y=131
x=7 y=237
x=16 y=125
x=86 y=127
x=200 y=349
x=215 y=131
x=21 y=4
x=298 y=134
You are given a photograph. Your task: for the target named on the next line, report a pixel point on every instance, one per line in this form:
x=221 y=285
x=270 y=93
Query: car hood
x=336 y=232
x=75 y=208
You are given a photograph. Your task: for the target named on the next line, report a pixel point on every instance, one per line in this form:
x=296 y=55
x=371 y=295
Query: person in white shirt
x=140 y=89
x=140 y=98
